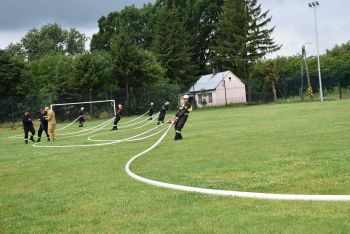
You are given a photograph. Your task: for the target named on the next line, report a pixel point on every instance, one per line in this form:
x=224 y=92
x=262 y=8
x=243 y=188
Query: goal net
x=93 y=110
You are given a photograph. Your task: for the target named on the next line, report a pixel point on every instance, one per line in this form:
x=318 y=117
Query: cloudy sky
x=293 y=19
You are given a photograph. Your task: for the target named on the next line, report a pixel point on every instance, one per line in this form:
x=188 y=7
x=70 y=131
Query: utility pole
x=314 y=5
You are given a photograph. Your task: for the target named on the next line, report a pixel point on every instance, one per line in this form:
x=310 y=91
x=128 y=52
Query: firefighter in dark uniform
x=181 y=116
x=162 y=112
x=81 y=117
x=43 y=125
x=151 y=110
x=28 y=127
x=117 y=117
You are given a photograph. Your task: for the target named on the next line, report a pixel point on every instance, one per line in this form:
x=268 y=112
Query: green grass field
x=287 y=148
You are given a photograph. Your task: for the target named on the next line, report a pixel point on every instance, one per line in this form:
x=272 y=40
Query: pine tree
x=171 y=47
x=243 y=38
x=201 y=17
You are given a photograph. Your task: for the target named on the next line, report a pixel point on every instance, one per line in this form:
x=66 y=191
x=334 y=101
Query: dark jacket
x=184 y=109
x=27 y=121
x=41 y=117
x=164 y=108
x=119 y=112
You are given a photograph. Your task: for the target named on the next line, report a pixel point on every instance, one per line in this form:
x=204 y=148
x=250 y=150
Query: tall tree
x=50 y=75
x=74 y=42
x=243 y=37
x=200 y=19
x=93 y=72
x=134 y=67
x=134 y=21
x=10 y=74
x=52 y=39
x=171 y=47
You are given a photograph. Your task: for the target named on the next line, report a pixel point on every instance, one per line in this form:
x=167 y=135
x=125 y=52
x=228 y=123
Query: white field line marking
x=267 y=196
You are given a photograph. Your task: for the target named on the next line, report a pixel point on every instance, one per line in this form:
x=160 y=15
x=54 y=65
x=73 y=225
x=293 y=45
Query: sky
x=293 y=20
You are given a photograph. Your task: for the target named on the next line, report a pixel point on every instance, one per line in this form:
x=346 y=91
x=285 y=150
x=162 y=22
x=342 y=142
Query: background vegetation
x=168 y=43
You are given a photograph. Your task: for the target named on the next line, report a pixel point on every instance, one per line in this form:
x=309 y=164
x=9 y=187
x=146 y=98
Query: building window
x=210 y=97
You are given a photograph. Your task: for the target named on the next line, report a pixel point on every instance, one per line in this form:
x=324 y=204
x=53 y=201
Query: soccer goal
x=94 y=110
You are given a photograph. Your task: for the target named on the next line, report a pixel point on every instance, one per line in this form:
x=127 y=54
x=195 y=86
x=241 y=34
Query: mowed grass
x=288 y=148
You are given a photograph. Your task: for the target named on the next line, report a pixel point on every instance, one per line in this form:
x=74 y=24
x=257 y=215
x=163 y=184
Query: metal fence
x=336 y=85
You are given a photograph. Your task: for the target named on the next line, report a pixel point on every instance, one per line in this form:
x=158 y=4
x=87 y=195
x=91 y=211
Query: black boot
x=26 y=141
x=48 y=139
x=176 y=136
x=114 y=128
x=158 y=123
x=32 y=138
x=180 y=136
x=38 y=139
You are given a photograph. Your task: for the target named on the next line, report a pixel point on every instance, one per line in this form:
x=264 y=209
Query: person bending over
x=162 y=112
x=81 y=117
x=181 y=116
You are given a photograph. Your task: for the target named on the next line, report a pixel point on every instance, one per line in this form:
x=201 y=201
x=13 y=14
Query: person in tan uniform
x=51 y=119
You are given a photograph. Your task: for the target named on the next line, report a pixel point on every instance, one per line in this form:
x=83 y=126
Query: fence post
x=339 y=83
x=12 y=118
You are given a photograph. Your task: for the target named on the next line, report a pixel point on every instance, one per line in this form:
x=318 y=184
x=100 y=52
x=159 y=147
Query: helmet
x=167 y=103
x=120 y=106
x=185 y=96
x=152 y=104
x=82 y=108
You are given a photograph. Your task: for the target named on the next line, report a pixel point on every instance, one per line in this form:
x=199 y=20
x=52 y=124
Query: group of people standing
x=47 y=121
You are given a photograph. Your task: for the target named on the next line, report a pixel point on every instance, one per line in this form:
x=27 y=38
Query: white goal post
x=79 y=103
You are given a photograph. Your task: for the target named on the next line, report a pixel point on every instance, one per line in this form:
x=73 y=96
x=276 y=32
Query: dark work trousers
x=42 y=128
x=180 y=123
x=116 y=120
x=161 y=116
x=81 y=121
x=27 y=130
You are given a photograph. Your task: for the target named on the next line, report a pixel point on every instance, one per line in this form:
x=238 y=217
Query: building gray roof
x=208 y=82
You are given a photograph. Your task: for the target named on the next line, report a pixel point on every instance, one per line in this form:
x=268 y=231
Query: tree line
x=170 y=42
x=285 y=73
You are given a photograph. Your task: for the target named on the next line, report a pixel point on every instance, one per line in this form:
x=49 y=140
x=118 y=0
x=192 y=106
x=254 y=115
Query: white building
x=219 y=89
